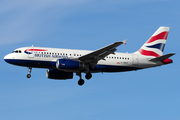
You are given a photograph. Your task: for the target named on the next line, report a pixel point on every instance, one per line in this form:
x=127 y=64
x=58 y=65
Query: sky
x=147 y=94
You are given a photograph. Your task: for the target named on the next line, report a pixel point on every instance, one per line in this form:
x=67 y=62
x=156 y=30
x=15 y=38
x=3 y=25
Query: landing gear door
x=135 y=59
x=30 y=52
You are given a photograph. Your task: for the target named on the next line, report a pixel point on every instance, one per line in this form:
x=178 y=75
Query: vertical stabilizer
x=155 y=44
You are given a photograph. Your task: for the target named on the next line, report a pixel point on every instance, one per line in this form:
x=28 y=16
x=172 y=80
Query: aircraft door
x=135 y=59
x=30 y=52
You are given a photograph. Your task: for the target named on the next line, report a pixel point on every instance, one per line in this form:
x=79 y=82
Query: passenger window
x=19 y=51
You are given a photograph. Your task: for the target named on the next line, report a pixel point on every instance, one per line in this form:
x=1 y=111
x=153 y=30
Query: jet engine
x=67 y=64
x=57 y=74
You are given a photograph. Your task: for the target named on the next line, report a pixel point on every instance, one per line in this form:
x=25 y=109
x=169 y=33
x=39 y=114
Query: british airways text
x=50 y=56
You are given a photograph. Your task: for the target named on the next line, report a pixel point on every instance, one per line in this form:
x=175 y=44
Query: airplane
x=62 y=63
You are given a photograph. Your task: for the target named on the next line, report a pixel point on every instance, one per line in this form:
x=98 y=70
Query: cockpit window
x=17 y=51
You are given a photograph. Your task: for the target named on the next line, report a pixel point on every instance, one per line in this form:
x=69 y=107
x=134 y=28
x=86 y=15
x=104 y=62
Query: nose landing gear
x=29 y=74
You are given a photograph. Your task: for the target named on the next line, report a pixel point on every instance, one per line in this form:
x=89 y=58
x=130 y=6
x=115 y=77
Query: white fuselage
x=41 y=57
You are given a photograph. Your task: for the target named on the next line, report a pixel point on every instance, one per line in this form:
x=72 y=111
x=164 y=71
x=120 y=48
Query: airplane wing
x=100 y=54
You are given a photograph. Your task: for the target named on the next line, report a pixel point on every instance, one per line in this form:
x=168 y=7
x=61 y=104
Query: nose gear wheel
x=29 y=74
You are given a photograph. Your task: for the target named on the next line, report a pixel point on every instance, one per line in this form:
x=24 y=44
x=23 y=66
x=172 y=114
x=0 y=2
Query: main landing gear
x=88 y=76
x=29 y=74
x=81 y=81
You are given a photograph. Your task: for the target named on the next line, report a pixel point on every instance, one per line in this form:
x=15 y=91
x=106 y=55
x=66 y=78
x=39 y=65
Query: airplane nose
x=7 y=58
x=10 y=59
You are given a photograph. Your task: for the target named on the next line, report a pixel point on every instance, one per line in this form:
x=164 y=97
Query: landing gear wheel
x=28 y=75
x=81 y=82
x=88 y=76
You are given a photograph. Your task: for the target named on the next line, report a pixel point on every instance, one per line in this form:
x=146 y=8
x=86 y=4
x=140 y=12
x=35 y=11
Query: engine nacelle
x=57 y=74
x=67 y=64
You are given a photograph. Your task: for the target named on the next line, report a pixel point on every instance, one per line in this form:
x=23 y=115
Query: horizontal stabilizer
x=160 y=58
